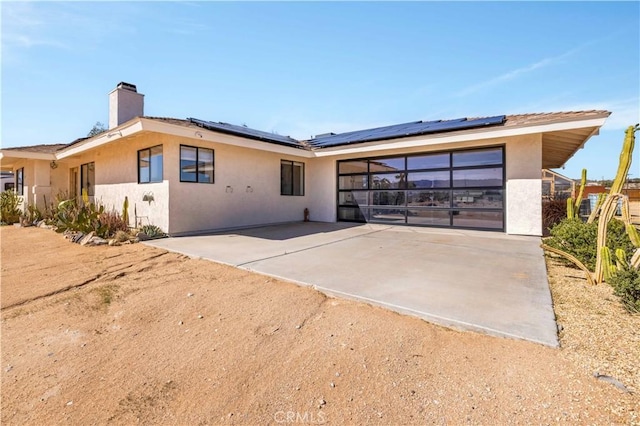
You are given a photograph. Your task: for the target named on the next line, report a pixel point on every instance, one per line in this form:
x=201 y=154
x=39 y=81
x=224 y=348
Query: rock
x=180 y=323
x=189 y=294
x=112 y=242
x=97 y=241
x=85 y=240
x=9 y=368
x=69 y=403
x=321 y=403
x=200 y=317
x=333 y=385
x=141 y=236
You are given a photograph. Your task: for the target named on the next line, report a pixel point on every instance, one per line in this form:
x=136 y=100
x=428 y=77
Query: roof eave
x=464 y=136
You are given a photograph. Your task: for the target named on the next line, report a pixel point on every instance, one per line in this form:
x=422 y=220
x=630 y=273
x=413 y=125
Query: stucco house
x=190 y=176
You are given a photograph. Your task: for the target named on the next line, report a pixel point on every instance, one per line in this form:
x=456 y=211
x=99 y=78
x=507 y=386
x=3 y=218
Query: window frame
x=19 y=186
x=197 y=173
x=292 y=185
x=90 y=166
x=355 y=211
x=150 y=172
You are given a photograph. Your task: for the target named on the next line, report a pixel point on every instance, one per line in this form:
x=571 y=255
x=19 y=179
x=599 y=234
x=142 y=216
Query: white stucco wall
x=246 y=191
x=523 y=210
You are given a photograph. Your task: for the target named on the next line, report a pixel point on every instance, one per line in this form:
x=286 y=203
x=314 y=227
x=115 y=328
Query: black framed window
x=458 y=188
x=196 y=164
x=88 y=178
x=291 y=178
x=20 y=181
x=150 y=164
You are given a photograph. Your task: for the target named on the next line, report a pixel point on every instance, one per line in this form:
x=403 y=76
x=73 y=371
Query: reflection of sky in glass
x=477 y=158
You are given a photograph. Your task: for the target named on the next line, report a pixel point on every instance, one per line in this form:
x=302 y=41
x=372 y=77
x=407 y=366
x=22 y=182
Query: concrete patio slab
x=483 y=281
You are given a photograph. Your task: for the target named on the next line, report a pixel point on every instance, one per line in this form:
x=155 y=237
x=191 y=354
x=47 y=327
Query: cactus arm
x=583 y=182
x=632 y=231
x=625 y=159
x=572 y=259
x=621 y=260
x=608 y=268
x=606 y=214
x=570 y=210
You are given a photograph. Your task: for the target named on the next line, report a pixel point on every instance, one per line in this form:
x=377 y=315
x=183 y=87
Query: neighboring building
x=191 y=176
x=556 y=186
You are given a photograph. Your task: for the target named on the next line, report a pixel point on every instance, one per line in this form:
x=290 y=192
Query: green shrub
x=9 y=211
x=626 y=284
x=580 y=239
x=83 y=217
x=152 y=231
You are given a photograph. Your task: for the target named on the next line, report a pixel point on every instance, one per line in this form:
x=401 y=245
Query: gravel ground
x=597 y=333
x=136 y=335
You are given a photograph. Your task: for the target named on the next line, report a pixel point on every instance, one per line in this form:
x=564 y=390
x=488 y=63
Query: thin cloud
x=511 y=75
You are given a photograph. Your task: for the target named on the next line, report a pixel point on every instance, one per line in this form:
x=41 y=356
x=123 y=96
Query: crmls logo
x=297 y=417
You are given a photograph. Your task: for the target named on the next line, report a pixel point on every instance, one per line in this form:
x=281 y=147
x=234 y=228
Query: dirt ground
x=137 y=335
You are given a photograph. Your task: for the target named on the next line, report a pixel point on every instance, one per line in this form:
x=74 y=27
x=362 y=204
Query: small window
x=196 y=164
x=150 y=164
x=20 y=181
x=291 y=178
x=88 y=178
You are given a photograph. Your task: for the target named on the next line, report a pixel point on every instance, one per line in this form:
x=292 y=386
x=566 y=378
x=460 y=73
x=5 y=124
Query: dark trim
x=19 y=187
x=88 y=183
x=197 y=148
x=304 y=182
x=450 y=188
x=138 y=165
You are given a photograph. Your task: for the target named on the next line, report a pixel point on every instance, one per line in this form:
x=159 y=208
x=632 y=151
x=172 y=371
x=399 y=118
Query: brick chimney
x=125 y=103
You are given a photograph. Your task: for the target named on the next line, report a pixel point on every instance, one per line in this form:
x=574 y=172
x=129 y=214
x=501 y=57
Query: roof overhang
x=9 y=158
x=574 y=133
x=141 y=124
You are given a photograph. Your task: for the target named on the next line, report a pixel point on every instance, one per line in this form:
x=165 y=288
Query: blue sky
x=301 y=69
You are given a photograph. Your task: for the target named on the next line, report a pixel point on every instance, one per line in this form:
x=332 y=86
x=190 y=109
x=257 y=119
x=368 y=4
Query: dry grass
x=597 y=333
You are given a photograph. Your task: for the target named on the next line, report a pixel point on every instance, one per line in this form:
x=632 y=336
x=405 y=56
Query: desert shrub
x=152 y=231
x=580 y=239
x=33 y=214
x=114 y=222
x=83 y=217
x=626 y=284
x=122 y=236
x=9 y=211
x=553 y=212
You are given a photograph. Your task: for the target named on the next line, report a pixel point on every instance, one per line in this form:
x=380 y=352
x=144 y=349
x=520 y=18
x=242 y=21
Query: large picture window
x=150 y=165
x=291 y=178
x=88 y=178
x=462 y=189
x=196 y=164
x=20 y=181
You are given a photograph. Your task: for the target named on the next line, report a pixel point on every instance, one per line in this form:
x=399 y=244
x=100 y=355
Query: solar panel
x=246 y=132
x=404 y=130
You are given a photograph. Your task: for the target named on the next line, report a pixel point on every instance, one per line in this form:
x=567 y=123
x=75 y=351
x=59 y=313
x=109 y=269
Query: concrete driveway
x=483 y=281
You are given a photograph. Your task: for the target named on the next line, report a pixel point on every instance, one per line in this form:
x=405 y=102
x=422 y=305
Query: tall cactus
x=571 y=212
x=625 y=159
x=125 y=210
x=583 y=182
x=608 y=208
